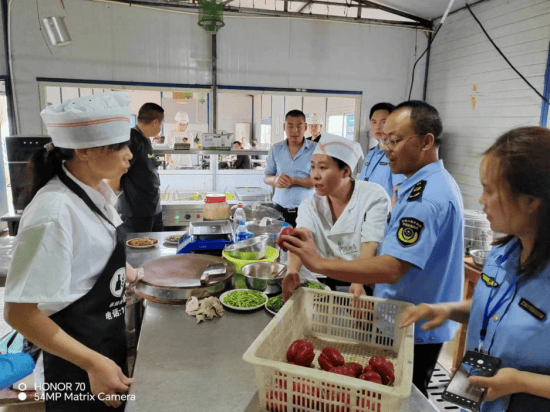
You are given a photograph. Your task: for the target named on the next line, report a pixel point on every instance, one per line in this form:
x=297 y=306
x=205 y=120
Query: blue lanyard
x=488 y=314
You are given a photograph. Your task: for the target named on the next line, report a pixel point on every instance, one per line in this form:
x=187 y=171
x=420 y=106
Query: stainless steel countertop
x=182 y=365
x=137 y=257
x=199 y=367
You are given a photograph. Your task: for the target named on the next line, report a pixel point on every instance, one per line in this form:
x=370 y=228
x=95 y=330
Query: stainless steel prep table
x=137 y=257
x=182 y=365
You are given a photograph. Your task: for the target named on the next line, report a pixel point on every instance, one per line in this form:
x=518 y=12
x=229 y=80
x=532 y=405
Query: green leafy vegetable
x=244 y=299
x=275 y=303
x=314 y=285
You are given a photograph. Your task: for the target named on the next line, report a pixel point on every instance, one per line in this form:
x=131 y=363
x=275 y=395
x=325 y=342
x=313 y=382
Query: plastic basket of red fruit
x=326 y=352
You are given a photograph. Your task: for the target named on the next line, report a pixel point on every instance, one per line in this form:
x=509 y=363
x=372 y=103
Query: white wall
x=121 y=43
x=307 y=54
x=466 y=69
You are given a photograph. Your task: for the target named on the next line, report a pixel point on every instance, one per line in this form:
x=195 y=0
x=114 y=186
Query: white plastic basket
x=328 y=318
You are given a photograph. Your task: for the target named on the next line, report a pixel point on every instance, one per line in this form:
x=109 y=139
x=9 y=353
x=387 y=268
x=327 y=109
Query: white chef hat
x=90 y=121
x=181 y=117
x=314 y=118
x=348 y=151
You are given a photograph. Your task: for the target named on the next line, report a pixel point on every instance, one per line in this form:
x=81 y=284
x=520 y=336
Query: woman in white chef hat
x=66 y=282
x=177 y=136
x=346 y=217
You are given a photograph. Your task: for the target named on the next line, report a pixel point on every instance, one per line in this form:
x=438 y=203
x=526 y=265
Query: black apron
x=95 y=320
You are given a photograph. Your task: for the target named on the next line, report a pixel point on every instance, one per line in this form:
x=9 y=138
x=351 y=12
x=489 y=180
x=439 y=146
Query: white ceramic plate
x=155 y=242
x=237 y=308
x=171 y=242
x=269 y=310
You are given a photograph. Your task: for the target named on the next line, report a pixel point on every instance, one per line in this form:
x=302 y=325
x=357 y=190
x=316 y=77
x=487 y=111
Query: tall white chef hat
x=314 y=118
x=348 y=151
x=181 y=117
x=90 y=121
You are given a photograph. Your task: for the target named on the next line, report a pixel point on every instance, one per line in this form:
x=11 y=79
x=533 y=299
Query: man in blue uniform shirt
x=288 y=166
x=420 y=259
x=376 y=167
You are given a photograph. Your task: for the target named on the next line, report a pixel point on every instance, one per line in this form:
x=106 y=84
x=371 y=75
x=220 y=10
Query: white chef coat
x=363 y=220
x=180 y=160
x=62 y=246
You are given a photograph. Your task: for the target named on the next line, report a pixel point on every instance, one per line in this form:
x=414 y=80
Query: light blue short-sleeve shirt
x=279 y=161
x=376 y=169
x=519 y=331
x=425 y=229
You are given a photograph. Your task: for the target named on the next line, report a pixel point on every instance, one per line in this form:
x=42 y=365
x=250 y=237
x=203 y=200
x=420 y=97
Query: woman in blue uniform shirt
x=508 y=316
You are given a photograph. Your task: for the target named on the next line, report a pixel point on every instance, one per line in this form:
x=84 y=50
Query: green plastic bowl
x=270 y=255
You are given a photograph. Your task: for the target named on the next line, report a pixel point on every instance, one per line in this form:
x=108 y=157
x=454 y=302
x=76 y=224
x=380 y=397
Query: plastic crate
x=328 y=318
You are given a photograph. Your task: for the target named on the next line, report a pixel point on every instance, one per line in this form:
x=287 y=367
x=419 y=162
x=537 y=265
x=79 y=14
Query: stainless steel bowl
x=259 y=276
x=249 y=249
x=480 y=256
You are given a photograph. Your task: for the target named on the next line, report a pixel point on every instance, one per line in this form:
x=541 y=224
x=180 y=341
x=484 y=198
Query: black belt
x=289 y=210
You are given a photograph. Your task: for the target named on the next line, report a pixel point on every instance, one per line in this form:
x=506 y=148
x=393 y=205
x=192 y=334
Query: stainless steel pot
x=260 y=276
x=174 y=279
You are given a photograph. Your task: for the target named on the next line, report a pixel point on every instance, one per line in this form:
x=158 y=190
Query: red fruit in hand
x=284 y=231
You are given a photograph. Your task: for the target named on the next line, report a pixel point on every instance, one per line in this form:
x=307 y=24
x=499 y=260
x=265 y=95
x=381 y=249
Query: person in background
x=288 y=165
x=377 y=166
x=315 y=126
x=158 y=139
x=66 y=282
x=347 y=218
x=421 y=256
x=244 y=143
x=178 y=136
x=242 y=161
x=139 y=203
x=508 y=314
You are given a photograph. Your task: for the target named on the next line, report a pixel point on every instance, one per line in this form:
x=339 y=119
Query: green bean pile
x=244 y=299
x=313 y=285
x=275 y=303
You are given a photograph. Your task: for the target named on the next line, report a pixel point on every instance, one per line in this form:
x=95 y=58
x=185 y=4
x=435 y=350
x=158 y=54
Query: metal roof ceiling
x=404 y=13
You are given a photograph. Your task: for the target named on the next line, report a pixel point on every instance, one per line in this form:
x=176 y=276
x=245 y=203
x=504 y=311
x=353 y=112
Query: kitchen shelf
x=210 y=152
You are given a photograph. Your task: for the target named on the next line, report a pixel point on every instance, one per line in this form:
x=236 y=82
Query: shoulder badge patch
x=488 y=280
x=409 y=231
x=417 y=190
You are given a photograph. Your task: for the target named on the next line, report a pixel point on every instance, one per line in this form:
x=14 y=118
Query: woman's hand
x=302 y=245
x=436 y=315
x=290 y=281
x=505 y=382
x=107 y=378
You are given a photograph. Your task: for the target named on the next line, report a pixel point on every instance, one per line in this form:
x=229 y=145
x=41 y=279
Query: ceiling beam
x=277 y=13
x=424 y=22
x=305 y=5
